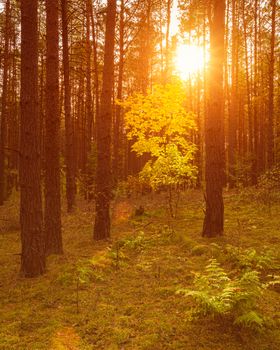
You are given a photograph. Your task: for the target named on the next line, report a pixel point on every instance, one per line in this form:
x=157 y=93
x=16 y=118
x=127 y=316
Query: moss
x=135 y=306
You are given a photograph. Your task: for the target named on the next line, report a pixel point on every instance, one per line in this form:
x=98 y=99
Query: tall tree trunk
x=248 y=85
x=89 y=109
x=96 y=70
x=255 y=164
x=52 y=172
x=233 y=115
x=3 y=120
x=33 y=259
x=145 y=53
x=117 y=129
x=104 y=125
x=270 y=128
x=167 y=53
x=69 y=131
x=214 y=141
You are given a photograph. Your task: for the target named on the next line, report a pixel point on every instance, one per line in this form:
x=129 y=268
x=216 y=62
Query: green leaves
x=216 y=294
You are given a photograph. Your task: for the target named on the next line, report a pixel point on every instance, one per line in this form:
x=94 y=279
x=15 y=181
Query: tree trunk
x=248 y=85
x=3 y=121
x=270 y=128
x=69 y=136
x=117 y=128
x=96 y=70
x=214 y=141
x=52 y=173
x=167 y=53
x=104 y=125
x=31 y=218
x=233 y=115
x=256 y=143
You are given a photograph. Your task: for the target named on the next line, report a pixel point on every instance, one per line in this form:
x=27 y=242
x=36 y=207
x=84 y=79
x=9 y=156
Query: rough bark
x=52 y=172
x=95 y=65
x=3 y=120
x=214 y=143
x=248 y=84
x=117 y=126
x=104 y=125
x=233 y=115
x=31 y=220
x=256 y=130
x=270 y=128
x=69 y=132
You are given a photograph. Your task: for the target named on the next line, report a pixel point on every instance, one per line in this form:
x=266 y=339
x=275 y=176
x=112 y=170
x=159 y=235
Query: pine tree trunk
x=233 y=115
x=3 y=120
x=248 y=85
x=69 y=131
x=270 y=129
x=52 y=173
x=104 y=126
x=96 y=70
x=31 y=218
x=214 y=141
x=256 y=143
x=117 y=126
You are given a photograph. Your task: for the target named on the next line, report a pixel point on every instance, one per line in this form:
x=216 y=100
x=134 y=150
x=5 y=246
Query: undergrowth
x=122 y=294
x=217 y=294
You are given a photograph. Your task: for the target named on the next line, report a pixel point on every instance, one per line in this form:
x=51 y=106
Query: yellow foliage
x=159 y=124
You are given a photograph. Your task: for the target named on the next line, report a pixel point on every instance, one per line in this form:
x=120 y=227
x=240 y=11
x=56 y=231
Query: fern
x=216 y=294
x=251 y=259
x=251 y=320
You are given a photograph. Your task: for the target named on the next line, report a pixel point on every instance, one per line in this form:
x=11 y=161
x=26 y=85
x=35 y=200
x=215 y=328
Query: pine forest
x=139 y=174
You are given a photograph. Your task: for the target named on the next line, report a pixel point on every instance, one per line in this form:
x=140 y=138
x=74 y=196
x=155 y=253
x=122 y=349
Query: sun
x=188 y=60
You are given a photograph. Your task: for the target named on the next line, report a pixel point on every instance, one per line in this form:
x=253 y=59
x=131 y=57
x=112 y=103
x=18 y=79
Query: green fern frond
x=251 y=320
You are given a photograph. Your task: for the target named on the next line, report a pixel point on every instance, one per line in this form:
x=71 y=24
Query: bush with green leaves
x=216 y=294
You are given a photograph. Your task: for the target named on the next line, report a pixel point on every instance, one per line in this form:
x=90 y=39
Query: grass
x=122 y=294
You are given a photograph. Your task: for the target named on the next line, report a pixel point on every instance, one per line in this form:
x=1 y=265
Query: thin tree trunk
x=117 y=130
x=167 y=53
x=270 y=129
x=233 y=115
x=69 y=136
x=3 y=120
x=89 y=105
x=96 y=70
x=255 y=164
x=52 y=171
x=249 y=104
x=33 y=259
x=104 y=125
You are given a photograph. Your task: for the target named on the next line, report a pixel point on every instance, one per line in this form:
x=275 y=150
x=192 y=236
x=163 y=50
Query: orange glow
x=188 y=60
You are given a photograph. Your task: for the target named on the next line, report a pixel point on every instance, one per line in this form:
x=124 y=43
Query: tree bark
x=69 y=131
x=3 y=121
x=214 y=141
x=117 y=128
x=31 y=218
x=256 y=132
x=104 y=126
x=52 y=173
x=270 y=128
x=233 y=115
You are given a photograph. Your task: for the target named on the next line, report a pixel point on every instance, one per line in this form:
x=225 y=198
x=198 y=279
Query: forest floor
x=121 y=294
